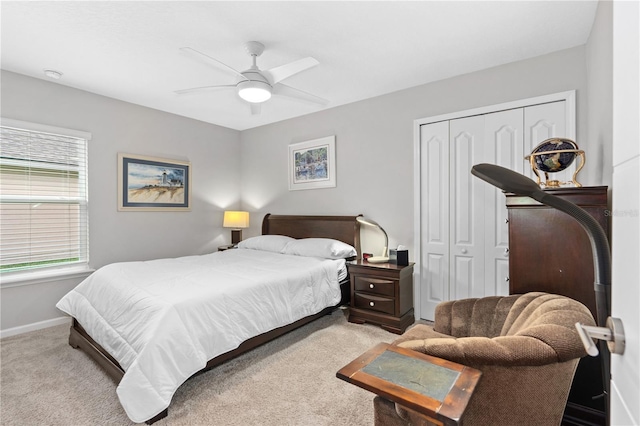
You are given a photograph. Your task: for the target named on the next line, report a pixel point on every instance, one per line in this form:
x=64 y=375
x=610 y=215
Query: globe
x=548 y=160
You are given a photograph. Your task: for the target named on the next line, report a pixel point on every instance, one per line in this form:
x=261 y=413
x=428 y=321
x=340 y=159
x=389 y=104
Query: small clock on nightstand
x=381 y=293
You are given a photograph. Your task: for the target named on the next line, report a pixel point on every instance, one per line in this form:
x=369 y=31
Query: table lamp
x=376 y=259
x=236 y=220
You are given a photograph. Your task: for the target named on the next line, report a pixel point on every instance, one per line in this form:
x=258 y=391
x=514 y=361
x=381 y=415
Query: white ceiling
x=130 y=50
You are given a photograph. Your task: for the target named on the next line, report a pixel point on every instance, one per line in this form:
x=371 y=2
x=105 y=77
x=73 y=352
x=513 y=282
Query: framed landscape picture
x=153 y=184
x=312 y=164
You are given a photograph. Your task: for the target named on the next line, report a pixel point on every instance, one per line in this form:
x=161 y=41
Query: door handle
x=613 y=334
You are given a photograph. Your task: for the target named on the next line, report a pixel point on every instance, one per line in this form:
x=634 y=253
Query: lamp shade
x=235 y=219
x=370 y=222
x=254 y=91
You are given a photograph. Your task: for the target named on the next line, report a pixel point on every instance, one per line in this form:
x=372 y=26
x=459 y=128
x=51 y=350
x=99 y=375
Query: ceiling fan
x=255 y=85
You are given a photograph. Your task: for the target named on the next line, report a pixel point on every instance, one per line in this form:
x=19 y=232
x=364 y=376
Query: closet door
x=542 y=122
x=504 y=147
x=464 y=248
x=434 y=218
x=466 y=208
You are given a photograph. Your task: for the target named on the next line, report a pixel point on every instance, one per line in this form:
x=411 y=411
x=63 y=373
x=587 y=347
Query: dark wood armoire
x=549 y=251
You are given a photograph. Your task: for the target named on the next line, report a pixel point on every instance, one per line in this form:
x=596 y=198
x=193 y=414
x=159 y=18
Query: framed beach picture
x=153 y=184
x=312 y=164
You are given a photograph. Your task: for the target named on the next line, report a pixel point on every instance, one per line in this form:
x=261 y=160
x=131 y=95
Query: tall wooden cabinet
x=549 y=251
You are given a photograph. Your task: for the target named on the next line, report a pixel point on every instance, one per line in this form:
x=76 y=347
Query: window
x=43 y=197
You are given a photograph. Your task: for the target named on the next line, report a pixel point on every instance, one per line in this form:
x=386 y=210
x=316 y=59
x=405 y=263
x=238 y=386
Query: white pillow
x=275 y=243
x=320 y=247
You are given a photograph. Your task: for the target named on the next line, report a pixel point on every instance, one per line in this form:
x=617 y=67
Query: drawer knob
x=371 y=286
x=371 y=304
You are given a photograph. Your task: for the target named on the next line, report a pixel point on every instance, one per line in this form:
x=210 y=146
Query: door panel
x=504 y=147
x=466 y=208
x=463 y=225
x=437 y=276
x=434 y=220
x=625 y=221
x=625 y=290
x=502 y=276
x=463 y=285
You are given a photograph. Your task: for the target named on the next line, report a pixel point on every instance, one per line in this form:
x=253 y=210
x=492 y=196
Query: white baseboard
x=34 y=326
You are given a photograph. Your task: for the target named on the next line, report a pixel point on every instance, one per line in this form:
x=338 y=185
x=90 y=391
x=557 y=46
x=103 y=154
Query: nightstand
x=382 y=294
x=227 y=247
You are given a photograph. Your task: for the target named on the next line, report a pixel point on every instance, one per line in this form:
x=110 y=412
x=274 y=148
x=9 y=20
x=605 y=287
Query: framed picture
x=312 y=164
x=153 y=184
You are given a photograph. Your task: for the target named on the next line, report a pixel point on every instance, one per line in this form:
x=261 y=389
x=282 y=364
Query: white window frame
x=54 y=273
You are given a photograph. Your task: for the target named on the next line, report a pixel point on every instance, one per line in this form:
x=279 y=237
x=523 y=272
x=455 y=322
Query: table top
x=390 y=266
x=434 y=387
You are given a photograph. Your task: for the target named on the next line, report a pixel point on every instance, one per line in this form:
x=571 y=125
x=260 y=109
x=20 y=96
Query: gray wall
x=374 y=142
x=599 y=58
x=118 y=126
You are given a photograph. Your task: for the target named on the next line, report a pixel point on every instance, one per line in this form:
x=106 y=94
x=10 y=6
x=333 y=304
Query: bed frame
x=342 y=228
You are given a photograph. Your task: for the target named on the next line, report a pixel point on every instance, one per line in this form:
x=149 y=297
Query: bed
x=178 y=335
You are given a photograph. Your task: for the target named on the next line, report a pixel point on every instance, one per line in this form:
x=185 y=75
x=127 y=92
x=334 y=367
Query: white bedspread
x=162 y=320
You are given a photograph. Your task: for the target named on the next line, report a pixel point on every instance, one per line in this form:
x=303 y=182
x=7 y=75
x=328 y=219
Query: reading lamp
x=236 y=220
x=376 y=259
x=510 y=181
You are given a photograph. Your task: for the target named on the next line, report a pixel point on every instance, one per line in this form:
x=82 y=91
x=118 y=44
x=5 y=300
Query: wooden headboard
x=342 y=228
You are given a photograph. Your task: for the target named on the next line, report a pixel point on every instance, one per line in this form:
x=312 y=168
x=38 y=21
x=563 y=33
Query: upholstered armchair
x=526 y=347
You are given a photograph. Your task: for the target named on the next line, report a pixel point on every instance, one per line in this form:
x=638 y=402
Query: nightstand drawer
x=375 y=285
x=374 y=303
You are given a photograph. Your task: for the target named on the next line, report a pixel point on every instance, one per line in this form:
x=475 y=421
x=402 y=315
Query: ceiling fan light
x=254 y=91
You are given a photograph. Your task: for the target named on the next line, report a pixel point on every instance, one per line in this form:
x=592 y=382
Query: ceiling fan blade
x=212 y=61
x=255 y=109
x=274 y=75
x=284 y=90
x=204 y=89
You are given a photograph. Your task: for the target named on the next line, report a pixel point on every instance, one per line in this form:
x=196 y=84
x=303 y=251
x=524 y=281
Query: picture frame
x=153 y=184
x=312 y=164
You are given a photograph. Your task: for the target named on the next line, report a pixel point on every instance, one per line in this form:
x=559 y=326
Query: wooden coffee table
x=433 y=387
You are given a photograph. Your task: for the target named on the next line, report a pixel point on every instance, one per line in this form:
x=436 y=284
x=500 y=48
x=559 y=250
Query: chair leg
x=384 y=413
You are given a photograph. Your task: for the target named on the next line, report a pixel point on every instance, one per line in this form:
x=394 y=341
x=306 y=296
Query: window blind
x=43 y=199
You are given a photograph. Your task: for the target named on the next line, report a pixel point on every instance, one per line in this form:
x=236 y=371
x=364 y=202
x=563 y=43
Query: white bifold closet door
x=464 y=230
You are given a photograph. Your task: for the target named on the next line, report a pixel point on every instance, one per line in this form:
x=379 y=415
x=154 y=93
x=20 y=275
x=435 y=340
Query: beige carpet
x=290 y=381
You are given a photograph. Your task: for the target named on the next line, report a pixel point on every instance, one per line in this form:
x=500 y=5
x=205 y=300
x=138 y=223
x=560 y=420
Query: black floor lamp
x=510 y=181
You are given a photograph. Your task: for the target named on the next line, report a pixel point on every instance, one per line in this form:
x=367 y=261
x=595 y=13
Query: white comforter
x=162 y=320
